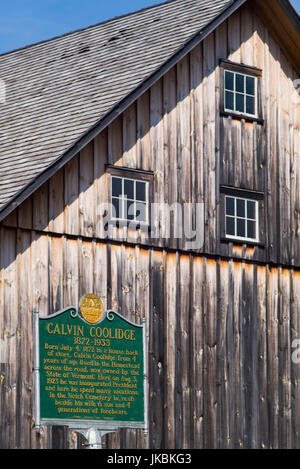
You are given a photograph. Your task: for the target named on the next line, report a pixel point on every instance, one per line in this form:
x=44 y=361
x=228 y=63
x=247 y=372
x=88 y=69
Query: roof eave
x=284 y=23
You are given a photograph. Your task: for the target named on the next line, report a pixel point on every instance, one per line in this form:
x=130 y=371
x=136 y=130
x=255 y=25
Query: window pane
x=229 y=206
x=251 y=209
x=230 y=226
x=251 y=229
x=140 y=191
x=229 y=76
x=129 y=210
x=116 y=187
x=229 y=100
x=240 y=228
x=239 y=83
x=250 y=87
x=250 y=105
x=240 y=208
x=128 y=189
x=116 y=208
x=141 y=214
x=239 y=102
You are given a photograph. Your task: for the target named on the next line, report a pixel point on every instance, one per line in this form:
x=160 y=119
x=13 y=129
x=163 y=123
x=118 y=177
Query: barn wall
x=220 y=338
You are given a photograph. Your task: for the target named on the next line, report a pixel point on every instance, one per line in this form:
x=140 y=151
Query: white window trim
x=134 y=200
x=233 y=111
x=235 y=217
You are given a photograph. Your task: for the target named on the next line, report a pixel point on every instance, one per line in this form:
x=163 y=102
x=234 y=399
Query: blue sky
x=24 y=22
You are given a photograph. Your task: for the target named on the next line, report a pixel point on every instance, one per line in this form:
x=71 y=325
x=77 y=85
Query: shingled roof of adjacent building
x=60 y=89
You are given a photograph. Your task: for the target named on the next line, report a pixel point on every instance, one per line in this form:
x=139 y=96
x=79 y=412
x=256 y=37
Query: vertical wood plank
x=223 y=397
x=41 y=208
x=115 y=142
x=263 y=419
x=8 y=338
x=273 y=352
x=236 y=284
x=143 y=311
x=130 y=137
x=24 y=353
x=71 y=273
x=156 y=351
x=170 y=351
x=25 y=214
x=86 y=191
x=284 y=360
x=209 y=110
x=197 y=347
x=234 y=37
x=143 y=131
x=56 y=300
x=184 y=147
x=170 y=152
x=101 y=182
x=128 y=273
x=210 y=355
x=40 y=299
x=71 y=196
x=156 y=158
x=56 y=203
x=197 y=132
x=183 y=352
x=295 y=369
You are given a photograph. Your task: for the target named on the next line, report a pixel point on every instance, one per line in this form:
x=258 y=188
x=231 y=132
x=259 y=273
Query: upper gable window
x=241 y=93
x=130 y=196
x=129 y=199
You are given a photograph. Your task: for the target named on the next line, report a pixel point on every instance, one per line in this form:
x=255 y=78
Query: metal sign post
x=90 y=371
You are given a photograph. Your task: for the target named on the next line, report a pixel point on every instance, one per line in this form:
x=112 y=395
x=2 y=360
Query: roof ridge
x=87 y=27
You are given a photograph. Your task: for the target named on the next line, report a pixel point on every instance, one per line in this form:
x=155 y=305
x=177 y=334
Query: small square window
x=129 y=200
x=241 y=218
x=240 y=93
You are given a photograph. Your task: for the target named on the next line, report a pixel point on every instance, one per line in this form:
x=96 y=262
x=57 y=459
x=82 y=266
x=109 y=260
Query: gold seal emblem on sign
x=91 y=308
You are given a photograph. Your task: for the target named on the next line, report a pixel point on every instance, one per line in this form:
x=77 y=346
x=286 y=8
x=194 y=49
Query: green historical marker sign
x=90 y=369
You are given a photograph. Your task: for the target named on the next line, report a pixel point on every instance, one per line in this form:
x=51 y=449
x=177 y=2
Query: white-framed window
x=130 y=200
x=240 y=93
x=241 y=218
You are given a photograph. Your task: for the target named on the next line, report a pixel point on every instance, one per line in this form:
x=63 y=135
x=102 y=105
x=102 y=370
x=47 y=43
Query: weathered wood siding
x=220 y=323
x=220 y=338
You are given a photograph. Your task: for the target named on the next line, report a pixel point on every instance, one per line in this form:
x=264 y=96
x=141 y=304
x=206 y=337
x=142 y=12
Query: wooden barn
x=154 y=160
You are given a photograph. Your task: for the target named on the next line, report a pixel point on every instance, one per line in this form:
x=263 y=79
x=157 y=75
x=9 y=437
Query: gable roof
x=62 y=92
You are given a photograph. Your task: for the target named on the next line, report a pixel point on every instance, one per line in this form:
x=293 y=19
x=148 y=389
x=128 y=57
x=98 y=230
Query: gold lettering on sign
x=118 y=334
x=65 y=329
